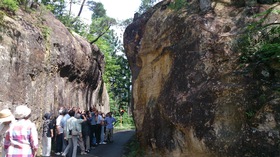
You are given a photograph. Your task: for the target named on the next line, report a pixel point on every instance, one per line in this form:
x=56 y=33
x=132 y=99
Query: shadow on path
x=114 y=149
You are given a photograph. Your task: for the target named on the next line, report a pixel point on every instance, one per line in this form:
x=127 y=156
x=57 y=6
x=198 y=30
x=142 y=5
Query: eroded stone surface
x=45 y=66
x=191 y=95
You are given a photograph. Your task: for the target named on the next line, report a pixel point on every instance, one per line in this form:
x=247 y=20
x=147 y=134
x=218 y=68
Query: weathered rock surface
x=191 y=95
x=45 y=66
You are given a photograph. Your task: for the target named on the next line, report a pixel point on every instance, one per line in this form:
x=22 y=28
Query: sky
x=117 y=9
x=121 y=9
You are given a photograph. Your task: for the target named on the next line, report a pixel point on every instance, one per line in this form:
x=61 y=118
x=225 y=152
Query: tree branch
x=100 y=35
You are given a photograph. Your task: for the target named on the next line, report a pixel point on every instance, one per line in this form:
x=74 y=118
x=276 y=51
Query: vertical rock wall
x=191 y=95
x=45 y=66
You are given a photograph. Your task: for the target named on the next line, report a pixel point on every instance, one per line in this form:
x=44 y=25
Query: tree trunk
x=70 y=9
x=81 y=8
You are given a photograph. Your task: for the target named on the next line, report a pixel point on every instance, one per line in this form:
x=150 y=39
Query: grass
x=133 y=148
x=124 y=127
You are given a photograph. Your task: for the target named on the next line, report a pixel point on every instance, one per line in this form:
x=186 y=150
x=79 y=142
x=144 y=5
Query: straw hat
x=22 y=111
x=6 y=116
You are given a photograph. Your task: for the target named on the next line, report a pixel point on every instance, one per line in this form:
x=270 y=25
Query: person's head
x=60 y=111
x=87 y=113
x=78 y=116
x=71 y=113
x=6 y=116
x=65 y=112
x=74 y=109
x=93 y=109
x=109 y=114
x=47 y=116
x=22 y=112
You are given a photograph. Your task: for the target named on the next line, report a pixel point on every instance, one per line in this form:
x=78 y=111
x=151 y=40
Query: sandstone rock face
x=191 y=95
x=45 y=66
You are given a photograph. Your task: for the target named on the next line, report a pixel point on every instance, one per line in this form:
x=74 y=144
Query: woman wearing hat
x=6 y=117
x=21 y=138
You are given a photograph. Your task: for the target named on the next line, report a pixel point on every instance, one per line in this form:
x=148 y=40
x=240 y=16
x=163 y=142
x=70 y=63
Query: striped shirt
x=21 y=139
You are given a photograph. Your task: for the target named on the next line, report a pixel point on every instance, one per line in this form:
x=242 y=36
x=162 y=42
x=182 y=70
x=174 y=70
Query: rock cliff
x=191 y=94
x=45 y=66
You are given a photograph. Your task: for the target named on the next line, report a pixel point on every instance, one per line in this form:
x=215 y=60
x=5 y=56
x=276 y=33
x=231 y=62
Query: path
x=114 y=149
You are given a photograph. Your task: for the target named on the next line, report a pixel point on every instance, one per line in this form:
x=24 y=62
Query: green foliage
x=250 y=114
x=178 y=4
x=261 y=43
x=97 y=8
x=9 y=5
x=99 y=27
x=133 y=148
x=145 y=5
x=125 y=122
x=46 y=32
x=2 y=14
x=58 y=7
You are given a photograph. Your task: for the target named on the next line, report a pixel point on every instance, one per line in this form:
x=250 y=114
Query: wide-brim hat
x=6 y=116
x=22 y=111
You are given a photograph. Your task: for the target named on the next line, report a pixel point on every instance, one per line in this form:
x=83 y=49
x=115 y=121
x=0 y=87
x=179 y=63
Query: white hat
x=60 y=111
x=22 y=111
x=6 y=116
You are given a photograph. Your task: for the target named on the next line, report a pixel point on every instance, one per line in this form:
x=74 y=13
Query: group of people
x=72 y=127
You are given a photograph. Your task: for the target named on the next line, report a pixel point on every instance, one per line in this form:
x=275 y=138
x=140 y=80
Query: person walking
x=21 y=138
x=47 y=135
x=6 y=118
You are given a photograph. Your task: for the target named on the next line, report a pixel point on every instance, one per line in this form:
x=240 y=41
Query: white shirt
x=58 y=124
x=99 y=119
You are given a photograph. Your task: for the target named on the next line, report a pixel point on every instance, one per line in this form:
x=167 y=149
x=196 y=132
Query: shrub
x=9 y=5
x=261 y=43
x=178 y=4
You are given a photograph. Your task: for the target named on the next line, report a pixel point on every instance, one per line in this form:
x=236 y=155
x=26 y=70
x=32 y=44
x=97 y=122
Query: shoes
x=102 y=143
x=58 y=153
x=63 y=154
x=83 y=153
x=87 y=151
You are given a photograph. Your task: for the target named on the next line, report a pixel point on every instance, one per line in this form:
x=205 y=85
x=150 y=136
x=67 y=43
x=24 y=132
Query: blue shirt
x=110 y=121
x=92 y=119
x=64 y=120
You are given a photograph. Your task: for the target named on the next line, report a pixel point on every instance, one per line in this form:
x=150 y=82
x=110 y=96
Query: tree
x=101 y=23
x=146 y=4
x=81 y=8
x=97 y=8
x=58 y=7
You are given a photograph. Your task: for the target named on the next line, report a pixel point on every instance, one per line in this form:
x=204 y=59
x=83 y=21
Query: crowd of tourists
x=87 y=129
x=71 y=129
